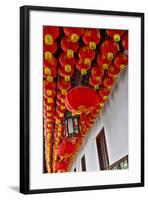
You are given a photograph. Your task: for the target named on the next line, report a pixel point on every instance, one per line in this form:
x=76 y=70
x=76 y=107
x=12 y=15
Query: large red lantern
x=73 y=33
x=103 y=61
x=109 y=48
x=69 y=47
x=82 y=67
x=77 y=101
x=121 y=61
x=64 y=86
x=115 y=34
x=125 y=41
x=91 y=37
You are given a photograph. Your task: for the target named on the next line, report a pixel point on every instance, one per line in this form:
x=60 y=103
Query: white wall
x=114 y=119
x=9 y=101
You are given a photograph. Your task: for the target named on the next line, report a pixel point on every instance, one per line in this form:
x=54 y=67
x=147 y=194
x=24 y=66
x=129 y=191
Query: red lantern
x=109 y=48
x=91 y=37
x=65 y=74
x=49 y=69
x=51 y=48
x=66 y=148
x=125 y=41
x=49 y=93
x=103 y=61
x=121 y=61
x=104 y=93
x=50 y=33
x=95 y=82
x=69 y=47
x=97 y=72
x=115 y=34
x=61 y=166
x=66 y=62
x=64 y=86
x=77 y=101
x=113 y=71
x=108 y=82
x=48 y=85
x=86 y=55
x=81 y=66
x=73 y=33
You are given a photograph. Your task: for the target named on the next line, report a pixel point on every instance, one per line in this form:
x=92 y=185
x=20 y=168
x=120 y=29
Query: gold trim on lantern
x=49 y=92
x=74 y=37
x=110 y=56
x=116 y=37
x=92 y=45
x=87 y=61
x=67 y=78
x=49 y=79
x=48 y=55
x=83 y=71
x=67 y=68
x=47 y=71
x=64 y=92
x=70 y=53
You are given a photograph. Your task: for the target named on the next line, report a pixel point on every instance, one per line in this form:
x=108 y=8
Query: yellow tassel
x=50 y=100
x=47 y=71
x=110 y=56
x=92 y=45
x=48 y=39
x=74 y=37
x=87 y=61
x=48 y=55
x=49 y=92
x=83 y=71
x=116 y=37
x=70 y=53
x=67 y=78
x=49 y=79
x=68 y=68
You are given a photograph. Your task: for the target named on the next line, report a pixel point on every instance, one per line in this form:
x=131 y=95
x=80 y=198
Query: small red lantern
x=77 y=101
x=69 y=47
x=109 y=48
x=91 y=37
x=49 y=101
x=50 y=70
x=73 y=33
x=121 y=61
x=108 y=82
x=113 y=71
x=50 y=33
x=97 y=72
x=86 y=55
x=49 y=93
x=115 y=34
x=64 y=86
x=104 y=93
x=103 y=61
x=95 y=82
x=65 y=74
x=66 y=62
x=66 y=148
x=81 y=66
x=125 y=41
x=61 y=166
x=51 y=48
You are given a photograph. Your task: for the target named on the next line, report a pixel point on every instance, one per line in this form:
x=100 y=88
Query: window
x=120 y=164
x=102 y=150
x=75 y=169
x=83 y=163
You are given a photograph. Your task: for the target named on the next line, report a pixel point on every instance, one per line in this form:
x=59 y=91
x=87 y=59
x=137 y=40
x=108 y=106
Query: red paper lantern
x=108 y=82
x=104 y=93
x=66 y=62
x=113 y=71
x=125 y=41
x=66 y=148
x=73 y=33
x=97 y=72
x=82 y=67
x=50 y=33
x=66 y=75
x=69 y=47
x=121 y=61
x=51 y=48
x=50 y=69
x=95 y=82
x=86 y=55
x=77 y=101
x=61 y=166
x=91 y=37
x=103 y=61
x=109 y=48
x=63 y=86
x=115 y=34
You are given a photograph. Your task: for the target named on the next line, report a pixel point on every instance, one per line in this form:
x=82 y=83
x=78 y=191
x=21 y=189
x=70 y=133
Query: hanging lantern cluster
x=50 y=35
x=80 y=67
